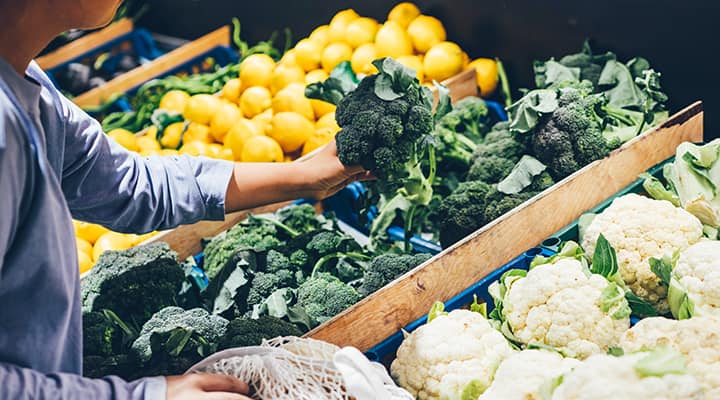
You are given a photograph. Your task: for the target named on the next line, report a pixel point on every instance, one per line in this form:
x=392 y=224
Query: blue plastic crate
x=387 y=348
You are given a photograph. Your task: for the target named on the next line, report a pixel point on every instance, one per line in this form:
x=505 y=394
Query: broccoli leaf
x=527 y=111
x=342 y=80
x=551 y=71
x=604 y=260
x=621 y=92
x=393 y=80
x=660 y=362
x=521 y=175
x=298 y=316
x=437 y=309
x=444 y=105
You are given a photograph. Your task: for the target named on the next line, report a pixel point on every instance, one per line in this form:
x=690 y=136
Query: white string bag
x=304 y=369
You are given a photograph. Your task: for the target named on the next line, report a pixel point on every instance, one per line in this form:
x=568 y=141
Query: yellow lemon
x=214 y=150
x=85 y=262
x=288 y=159
x=393 y=41
x=339 y=23
x=226 y=154
x=231 y=90
x=174 y=100
x=308 y=54
x=316 y=75
x=262 y=120
x=327 y=121
x=197 y=133
x=172 y=135
x=403 y=13
x=145 y=236
x=255 y=100
x=89 y=232
x=223 y=119
x=362 y=58
x=288 y=58
x=238 y=135
x=360 y=31
x=466 y=60
x=318 y=139
x=285 y=74
x=487 y=75
x=320 y=35
x=112 y=241
x=292 y=98
x=83 y=245
x=334 y=54
x=442 y=61
x=321 y=108
x=195 y=148
x=125 y=138
x=201 y=108
x=415 y=63
x=425 y=32
x=148 y=143
x=261 y=148
x=256 y=70
x=290 y=129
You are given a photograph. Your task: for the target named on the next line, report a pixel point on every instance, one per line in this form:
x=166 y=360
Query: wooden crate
x=408 y=298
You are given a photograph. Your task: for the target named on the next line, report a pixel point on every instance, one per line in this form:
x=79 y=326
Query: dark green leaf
x=521 y=175
x=604 y=261
x=342 y=80
x=176 y=341
x=640 y=308
x=526 y=112
x=551 y=71
x=619 y=86
x=225 y=299
x=444 y=105
x=393 y=79
x=662 y=267
x=298 y=316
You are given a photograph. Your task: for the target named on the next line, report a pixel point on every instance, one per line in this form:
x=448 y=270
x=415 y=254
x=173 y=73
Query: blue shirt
x=56 y=163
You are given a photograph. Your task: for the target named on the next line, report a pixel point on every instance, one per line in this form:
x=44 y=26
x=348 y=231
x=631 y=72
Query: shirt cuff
x=213 y=177
x=155 y=388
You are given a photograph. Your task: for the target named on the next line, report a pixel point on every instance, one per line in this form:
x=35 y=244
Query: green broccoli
x=301 y=218
x=459 y=132
x=262 y=285
x=243 y=332
x=299 y=259
x=463 y=211
x=280 y=265
x=133 y=283
x=104 y=333
x=323 y=296
x=585 y=64
x=493 y=159
x=387 y=267
x=122 y=365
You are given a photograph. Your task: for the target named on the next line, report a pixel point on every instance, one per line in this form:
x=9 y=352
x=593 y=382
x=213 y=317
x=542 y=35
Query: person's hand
x=326 y=175
x=205 y=387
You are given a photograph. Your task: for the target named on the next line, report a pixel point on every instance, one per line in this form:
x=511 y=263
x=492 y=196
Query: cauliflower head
x=560 y=305
x=640 y=228
x=522 y=375
x=629 y=377
x=697 y=338
x=454 y=353
x=698 y=272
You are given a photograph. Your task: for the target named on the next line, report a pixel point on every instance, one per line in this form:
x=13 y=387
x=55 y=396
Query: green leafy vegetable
x=437 y=309
x=660 y=362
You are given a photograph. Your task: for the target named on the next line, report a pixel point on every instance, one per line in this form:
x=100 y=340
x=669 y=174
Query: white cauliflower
x=640 y=376
x=522 y=375
x=565 y=306
x=698 y=273
x=640 y=228
x=456 y=352
x=697 y=338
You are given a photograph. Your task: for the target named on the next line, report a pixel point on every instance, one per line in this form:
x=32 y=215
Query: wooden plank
x=445 y=275
x=144 y=73
x=84 y=44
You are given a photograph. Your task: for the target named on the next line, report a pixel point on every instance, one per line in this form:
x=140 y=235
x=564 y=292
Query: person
x=55 y=164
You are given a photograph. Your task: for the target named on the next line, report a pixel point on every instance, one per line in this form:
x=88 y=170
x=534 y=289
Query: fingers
x=222 y=383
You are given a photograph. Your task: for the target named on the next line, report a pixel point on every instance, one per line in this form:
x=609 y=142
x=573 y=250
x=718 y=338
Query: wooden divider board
x=85 y=43
x=144 y=73
x=408 y=298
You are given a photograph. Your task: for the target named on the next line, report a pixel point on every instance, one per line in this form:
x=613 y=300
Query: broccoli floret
x=122 y=365
x=490 y=169
x=299 y=259
x=242 y=332
x=499 y=204
x=262 y=286
x=327 y=242
x=203 y=325
x=387 y=267
x=254 y=234
x=302 y=218
x=323 y=296
x=286 y=278
x=463 y=211
x=133 y=283
x=100 y=335
x=275 y=261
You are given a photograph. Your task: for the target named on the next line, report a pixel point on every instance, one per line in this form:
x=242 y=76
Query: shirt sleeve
x=26 y=384
x=105 y=183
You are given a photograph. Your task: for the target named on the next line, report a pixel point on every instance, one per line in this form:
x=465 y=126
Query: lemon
x=201 y=108
x=145 y=236
x=392 y=41
x=112 y=241
x=197 y=133
x=147 y=143
x=288 y=159
x=261 y=148
x=194 y=148
x=292 y=98
x=89 y=232
x=255 y=100
x=83 y=245
x=320 y=35
x=214 y=150
x=262 y=120
x=238 y=135
x=226 y=154
x=334 y=54
x=442 y=61
x=172 y=135
x=487 y=75
x=174 y=100
x=256 y=70
x=224 y=118
x=466 y=60
x=425 y=32
x=403 y=13
x=316 y=75
x=321 y=108
x=285 y=74
x=361 y=31
x=231 y=90
x=288 y=58
x=415 y=63
x=125 y=138
x=362 y=58
x=85 y=262
x=327 y=121
x=318 y=139
x=308 y=54
x=290 y=129
x=339 y=23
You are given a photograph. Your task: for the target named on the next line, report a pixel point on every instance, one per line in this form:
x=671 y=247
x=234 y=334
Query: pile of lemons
x=92 y=240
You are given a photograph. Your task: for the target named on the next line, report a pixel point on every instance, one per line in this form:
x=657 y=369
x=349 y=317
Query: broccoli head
x=463 y=211
x=263 y=285
x=101 y=337
x=328 y=242
x=133 y=283
x=122 y=365
x=299 y=259
x=301 y=218
x=242 y=332
x=323 y=296
x=387 y=267
x=490 y=169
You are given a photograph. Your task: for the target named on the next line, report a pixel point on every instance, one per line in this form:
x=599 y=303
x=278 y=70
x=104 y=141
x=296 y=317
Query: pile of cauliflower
x=562 y=330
